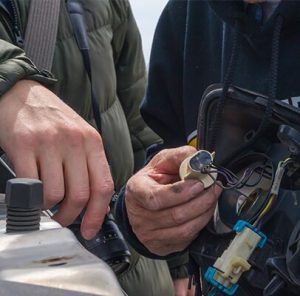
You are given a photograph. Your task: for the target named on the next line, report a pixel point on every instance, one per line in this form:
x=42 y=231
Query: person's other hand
x=181 y=287
x=45 y=139
x=167 y=214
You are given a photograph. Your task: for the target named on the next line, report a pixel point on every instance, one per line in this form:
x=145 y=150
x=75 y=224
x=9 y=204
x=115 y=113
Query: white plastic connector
x=233 y=262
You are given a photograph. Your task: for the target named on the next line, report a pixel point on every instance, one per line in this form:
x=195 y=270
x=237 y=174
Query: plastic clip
x=228 y=268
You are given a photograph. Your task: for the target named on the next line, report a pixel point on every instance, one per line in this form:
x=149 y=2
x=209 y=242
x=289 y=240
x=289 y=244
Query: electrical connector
x=228 y=268
x=197 y=166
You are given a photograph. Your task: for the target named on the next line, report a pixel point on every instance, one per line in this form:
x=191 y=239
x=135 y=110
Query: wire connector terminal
x=228 y=268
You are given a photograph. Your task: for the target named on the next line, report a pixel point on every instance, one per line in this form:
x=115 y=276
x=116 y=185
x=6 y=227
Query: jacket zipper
x=16 y=26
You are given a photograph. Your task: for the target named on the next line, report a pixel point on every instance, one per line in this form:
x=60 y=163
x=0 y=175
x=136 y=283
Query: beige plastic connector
x=233 y=261
x=187 y=172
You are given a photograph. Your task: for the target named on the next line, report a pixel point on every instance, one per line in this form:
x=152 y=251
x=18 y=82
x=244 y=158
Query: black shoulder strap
x=76 y=13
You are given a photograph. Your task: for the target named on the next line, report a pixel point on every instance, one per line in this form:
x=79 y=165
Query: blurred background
x=146 y=13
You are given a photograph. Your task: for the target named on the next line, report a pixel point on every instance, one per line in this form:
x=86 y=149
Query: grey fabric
x=40 y=37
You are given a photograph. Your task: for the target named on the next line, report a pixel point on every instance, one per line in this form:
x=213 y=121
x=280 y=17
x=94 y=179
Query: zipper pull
x=18 y=36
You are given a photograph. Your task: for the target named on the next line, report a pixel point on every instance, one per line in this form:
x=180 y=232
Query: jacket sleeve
x=178 y=266
x=15 y=66
x=131 y=82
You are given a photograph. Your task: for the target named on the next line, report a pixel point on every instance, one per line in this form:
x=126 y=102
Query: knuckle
x=178 y=215
x=26 y=139
x=80 y=197
x=94 y=220
x=54 y=196
x=188 y=232
x=136 y=194
x=129 y=190
x=153 y=200
x=188 y=149
x=106 y=188
x=164 y=154
x=94 y=136
x=48 y=137
x=75 y=136
x=159 y=157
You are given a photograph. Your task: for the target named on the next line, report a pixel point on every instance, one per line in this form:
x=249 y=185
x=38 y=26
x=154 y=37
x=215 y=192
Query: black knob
x=24 y=199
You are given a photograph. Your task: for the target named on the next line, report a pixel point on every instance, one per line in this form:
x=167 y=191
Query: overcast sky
x=146 y=13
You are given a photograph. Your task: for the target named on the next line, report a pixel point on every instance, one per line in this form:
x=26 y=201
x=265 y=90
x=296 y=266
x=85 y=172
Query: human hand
x=181 y=287
x=45 y=139
x=167 y=214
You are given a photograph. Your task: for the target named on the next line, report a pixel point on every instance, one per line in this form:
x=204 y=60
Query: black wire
x=227 y=170
x=273 y=77
x=237 y=182
x=258 y=180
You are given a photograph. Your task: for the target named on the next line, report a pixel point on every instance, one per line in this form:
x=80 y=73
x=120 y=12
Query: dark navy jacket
x=191 y=49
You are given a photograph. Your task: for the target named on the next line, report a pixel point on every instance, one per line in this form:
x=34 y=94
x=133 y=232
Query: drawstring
x=272 y=95
x=273 y=77
x=216 y=126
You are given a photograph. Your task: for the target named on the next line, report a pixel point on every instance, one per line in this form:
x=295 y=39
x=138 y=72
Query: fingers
x=167 y=218
x=51 y=172
x=25 y=165
x=158 y=197
x=101 y=186
x=179 y=214
x=168 y=240
x=76 y=186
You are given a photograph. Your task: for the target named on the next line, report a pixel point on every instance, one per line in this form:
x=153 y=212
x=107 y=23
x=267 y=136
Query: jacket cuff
x=15 y=66
x=178 y=266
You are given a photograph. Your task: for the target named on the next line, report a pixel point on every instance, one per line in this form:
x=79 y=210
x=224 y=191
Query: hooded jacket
x=191 y=51
x=119 y=80
x=192 y=48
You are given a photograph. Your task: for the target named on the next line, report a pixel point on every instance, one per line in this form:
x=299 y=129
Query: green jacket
x=119 y=78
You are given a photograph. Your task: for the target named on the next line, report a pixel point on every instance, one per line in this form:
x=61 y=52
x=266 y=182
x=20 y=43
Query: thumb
x=168 y=161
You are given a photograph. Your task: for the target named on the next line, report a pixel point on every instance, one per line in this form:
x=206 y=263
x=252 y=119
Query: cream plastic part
x=233 y=261
x=186 y=172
